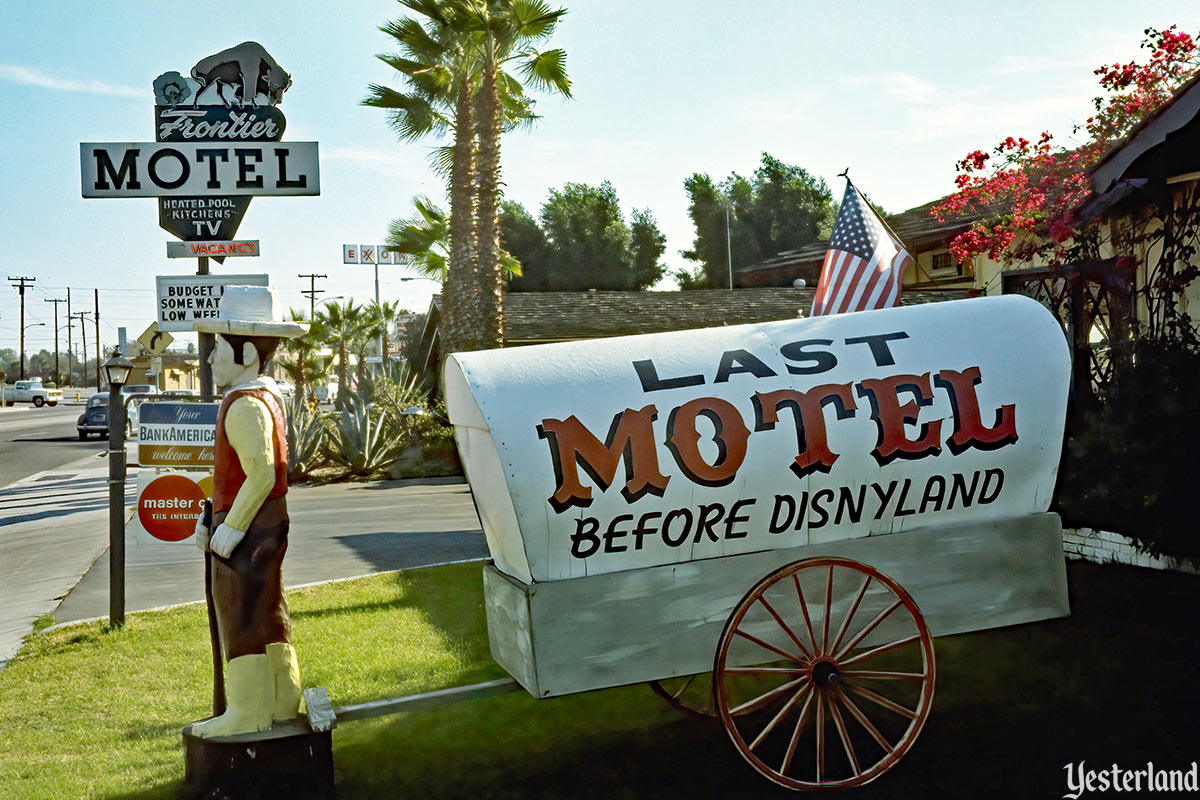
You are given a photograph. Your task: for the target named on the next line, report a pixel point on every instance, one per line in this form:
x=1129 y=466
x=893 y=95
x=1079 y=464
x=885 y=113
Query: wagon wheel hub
x=823 y=672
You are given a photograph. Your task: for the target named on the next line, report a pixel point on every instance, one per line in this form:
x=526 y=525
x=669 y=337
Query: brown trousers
x=247 y=587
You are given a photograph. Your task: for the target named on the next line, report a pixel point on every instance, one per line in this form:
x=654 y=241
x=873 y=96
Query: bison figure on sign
x=246 y=67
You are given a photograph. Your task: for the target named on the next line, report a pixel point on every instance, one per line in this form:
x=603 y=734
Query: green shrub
x=1128 y=462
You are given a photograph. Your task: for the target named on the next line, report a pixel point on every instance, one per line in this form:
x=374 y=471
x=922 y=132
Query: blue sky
x=663 y=88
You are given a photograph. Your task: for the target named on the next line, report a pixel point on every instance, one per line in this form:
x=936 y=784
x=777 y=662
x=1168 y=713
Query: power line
x=312 y=292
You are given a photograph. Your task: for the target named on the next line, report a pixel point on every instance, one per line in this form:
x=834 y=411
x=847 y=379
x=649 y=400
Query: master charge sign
x=168 y=505
x=182 y=299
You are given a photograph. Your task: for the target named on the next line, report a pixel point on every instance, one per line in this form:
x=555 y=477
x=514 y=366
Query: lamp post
x=117 y=368
x=23 y=329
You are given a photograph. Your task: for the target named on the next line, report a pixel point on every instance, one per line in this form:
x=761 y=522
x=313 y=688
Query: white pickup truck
x=31 y=392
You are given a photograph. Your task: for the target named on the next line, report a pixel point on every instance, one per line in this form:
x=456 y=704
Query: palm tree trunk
x=460 y=328
x=490 y=277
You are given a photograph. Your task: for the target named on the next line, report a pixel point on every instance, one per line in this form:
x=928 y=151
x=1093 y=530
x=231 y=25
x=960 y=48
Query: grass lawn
x=86 y=711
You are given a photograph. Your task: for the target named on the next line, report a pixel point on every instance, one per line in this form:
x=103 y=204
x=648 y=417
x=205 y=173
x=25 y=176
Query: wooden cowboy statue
x=249 y=516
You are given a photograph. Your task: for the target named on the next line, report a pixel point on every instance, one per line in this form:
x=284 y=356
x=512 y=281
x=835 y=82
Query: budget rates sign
x=615 y=454
x=176 y=434
x=183 y=299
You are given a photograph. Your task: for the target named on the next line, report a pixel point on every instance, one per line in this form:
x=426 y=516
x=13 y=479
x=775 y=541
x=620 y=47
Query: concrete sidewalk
x=337 y=531
x=54 y=530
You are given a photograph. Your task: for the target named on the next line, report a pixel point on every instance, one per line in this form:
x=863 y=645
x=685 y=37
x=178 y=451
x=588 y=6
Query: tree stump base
x=289 y=761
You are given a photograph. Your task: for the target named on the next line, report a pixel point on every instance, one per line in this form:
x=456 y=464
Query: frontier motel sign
x=165 y=169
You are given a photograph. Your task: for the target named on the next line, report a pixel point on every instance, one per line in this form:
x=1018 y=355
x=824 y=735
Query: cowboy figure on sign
x=247 y=532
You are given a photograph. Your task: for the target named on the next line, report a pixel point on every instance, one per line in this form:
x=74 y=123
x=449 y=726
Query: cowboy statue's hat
x=250 y=311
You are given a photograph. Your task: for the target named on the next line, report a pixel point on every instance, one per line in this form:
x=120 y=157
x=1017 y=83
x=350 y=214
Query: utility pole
x=82 y=315
x=19 y=285
x=312 y=293
x=70 y=338
x=97 y=340
x=57 y=374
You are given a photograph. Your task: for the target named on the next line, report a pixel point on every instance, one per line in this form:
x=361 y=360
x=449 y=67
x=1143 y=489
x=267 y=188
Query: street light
x=27 y=327
x=117 y=368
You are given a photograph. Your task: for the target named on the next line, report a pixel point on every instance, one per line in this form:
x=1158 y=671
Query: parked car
x=140 y=388
x=94 y=418
x=179 y=394
x=31 y=391
x=285 y=389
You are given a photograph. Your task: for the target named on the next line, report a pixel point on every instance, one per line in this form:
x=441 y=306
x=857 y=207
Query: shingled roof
x=531 y=317
x=543 y=317
x=916 y=227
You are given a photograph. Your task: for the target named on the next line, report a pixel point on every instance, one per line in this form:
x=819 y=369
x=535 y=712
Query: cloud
x=362 y=155
x=896 y=84
x=28 y=76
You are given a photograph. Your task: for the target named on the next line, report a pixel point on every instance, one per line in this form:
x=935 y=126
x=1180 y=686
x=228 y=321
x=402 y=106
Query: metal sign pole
x=206 y=346
x=116 y=506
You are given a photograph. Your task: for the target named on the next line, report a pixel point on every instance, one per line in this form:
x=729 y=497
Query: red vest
x=228 y=475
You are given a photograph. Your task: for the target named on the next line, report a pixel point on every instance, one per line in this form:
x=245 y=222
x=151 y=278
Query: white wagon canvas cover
x=608 y=455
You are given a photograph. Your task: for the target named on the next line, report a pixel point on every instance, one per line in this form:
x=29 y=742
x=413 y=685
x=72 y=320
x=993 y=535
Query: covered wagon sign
x=601 y=456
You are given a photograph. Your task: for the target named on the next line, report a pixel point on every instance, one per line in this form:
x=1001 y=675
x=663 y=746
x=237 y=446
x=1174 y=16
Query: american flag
x=864 y=265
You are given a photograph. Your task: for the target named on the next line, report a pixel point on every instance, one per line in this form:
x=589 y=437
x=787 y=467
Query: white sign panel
x=183 y=299
x=616 y=454
x=368 y=254
x=168 y=505
x=219 y=248
x=199 y=169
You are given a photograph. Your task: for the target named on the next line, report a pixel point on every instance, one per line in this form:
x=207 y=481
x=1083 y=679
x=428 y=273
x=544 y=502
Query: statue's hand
x=225 y=539
x=202 y=534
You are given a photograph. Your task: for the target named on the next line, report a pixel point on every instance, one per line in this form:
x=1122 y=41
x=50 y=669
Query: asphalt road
x=37 y=439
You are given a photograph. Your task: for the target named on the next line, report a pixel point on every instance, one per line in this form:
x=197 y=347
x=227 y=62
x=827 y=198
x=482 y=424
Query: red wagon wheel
x=689 y=694
x=850 y=664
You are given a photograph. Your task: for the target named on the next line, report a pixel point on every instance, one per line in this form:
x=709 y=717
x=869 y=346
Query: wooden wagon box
x=628 y=627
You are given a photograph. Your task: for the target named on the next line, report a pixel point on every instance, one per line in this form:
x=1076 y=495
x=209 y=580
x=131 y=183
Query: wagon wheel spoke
x=840 y=724
x=774 y=723
x=795 y=742
x=812 y=637
x=676 y=694
x=879 y=699
x=857 y=713
x=858 y=637
x=786 y=629
x=764 y=699
x=828 y=608
x=850 y=614
x=763 y=670
x=883 y=648
x=878 y=675
x=769 y=646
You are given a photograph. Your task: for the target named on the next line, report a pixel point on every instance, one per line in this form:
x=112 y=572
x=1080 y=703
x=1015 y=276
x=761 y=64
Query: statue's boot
x=251 y=698
x=285 y=675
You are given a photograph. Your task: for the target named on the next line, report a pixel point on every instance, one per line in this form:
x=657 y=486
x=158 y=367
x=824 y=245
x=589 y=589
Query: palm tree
x=342 y=324
x=439 y=70
x=507 y=30
x=369 y=325
x=386 y=314
x=424 y=240
x=460 y=48
x=302 y=362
